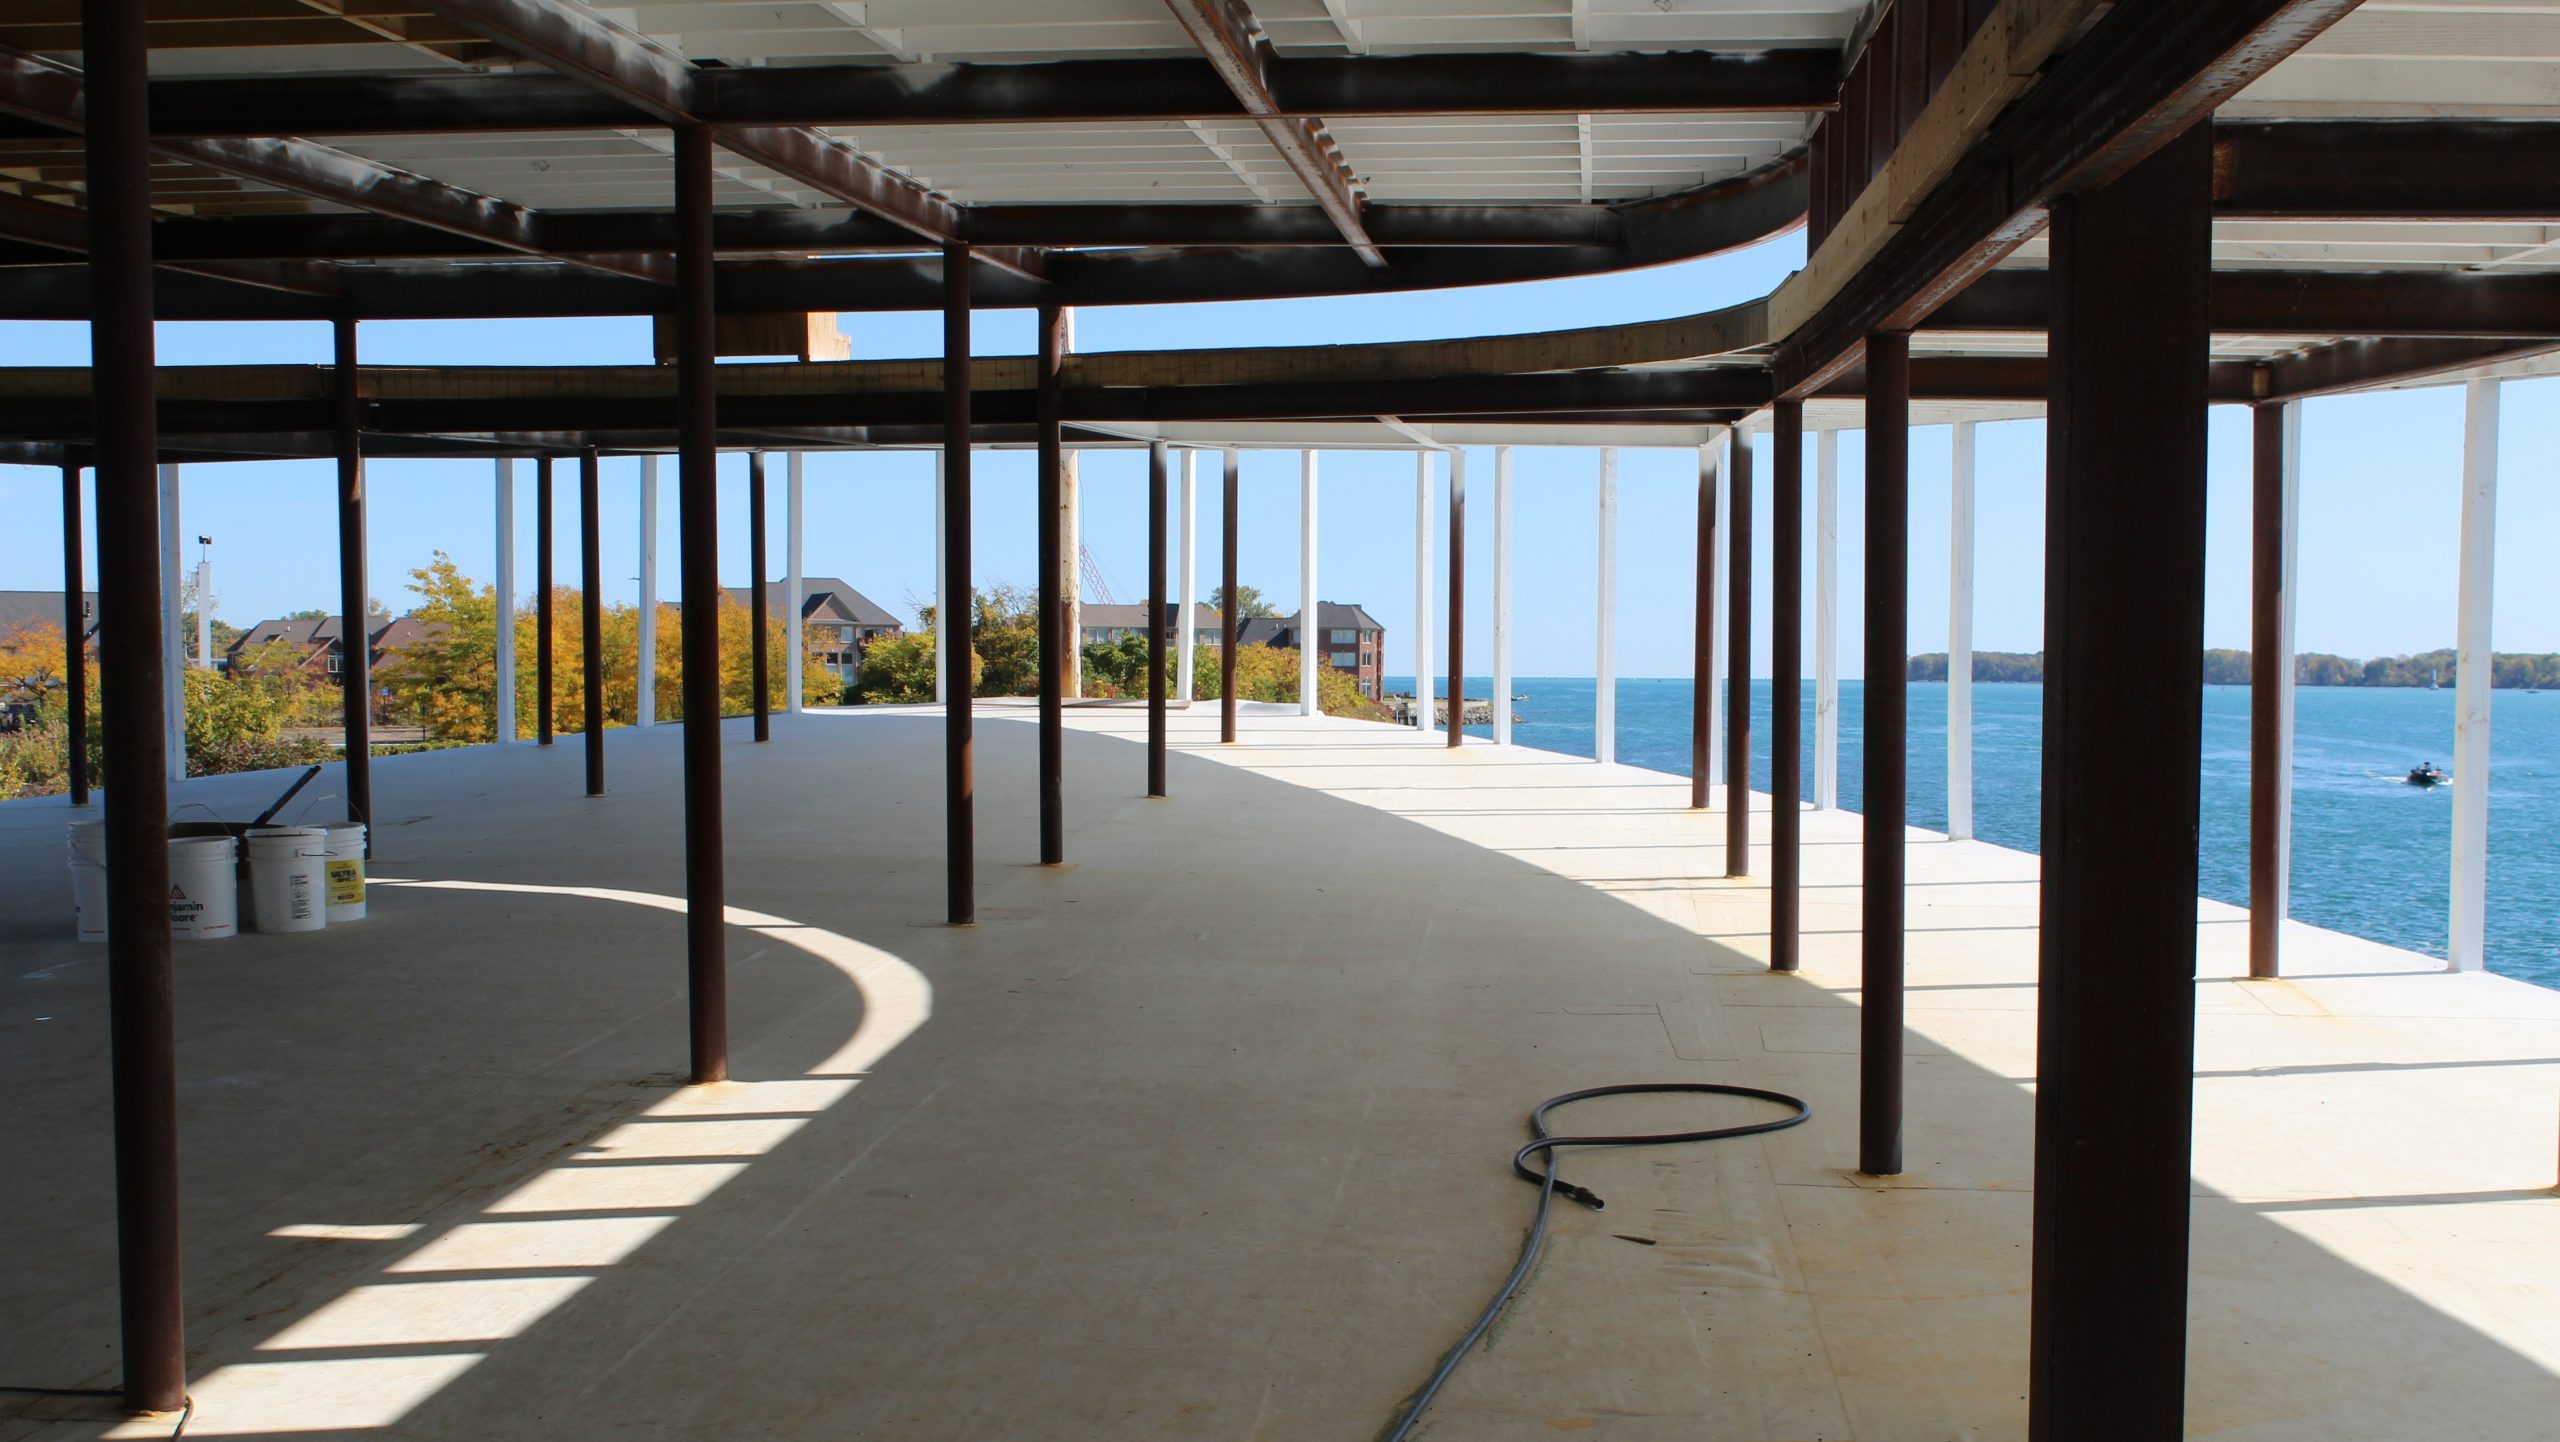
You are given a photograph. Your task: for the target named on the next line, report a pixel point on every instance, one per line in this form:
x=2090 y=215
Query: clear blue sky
x=2379 y=492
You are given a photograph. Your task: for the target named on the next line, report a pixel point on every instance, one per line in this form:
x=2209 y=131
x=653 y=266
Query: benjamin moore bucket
x=204 y=889
x=204 y=894
x=345 y=873
x=287 y=876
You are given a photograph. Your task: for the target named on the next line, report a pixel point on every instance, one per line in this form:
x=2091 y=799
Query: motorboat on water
x=2429 y=774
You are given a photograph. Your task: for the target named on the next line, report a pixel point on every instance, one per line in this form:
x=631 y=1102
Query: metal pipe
x=544 y=596
x=355 y=615
x=1737 y=688
x=1702 y=640
x=1457 y=598
x=1786 y=682
x=759 y=610
x=141 y=998
x=503 y=503
x=1501 y=595
x=698 y=541
x=1157 y=616
x=1058 y=650
x=1960 y=637
x=591 y=613
x=2125 y=512
x=958 y=614
x=2274 y=430
x=1888 y=671
x=75 y=639
x=1227 y=601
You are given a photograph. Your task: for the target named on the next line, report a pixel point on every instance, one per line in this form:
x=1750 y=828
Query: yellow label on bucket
x=346 y=882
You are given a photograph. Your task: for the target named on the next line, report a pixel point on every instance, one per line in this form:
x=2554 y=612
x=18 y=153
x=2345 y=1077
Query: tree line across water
x=2508 y=670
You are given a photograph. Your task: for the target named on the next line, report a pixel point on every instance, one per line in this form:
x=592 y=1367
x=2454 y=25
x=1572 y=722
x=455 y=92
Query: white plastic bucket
x=345 y=873
x=204 y=889
x=288 y=878
x=89 y=899
x=204 y=893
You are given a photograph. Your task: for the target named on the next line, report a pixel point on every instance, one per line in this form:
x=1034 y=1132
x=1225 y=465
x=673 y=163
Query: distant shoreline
x=2509 y=670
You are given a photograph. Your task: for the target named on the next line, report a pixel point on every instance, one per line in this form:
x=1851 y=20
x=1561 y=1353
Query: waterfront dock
x=1148 y=1154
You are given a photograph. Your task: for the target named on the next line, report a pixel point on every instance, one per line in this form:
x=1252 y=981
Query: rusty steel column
x=2270 y=658
x=141 y=998
x=706 y=882
x=75 y=645
x=1058 y=650
x=355 y=618
x=1159 y=526
x=1888 y=676
x=959 y=611
x=1786 y=682
x=542 y=588
x=1702 y=637
x=591 y=615
x=1457 y=727
x=759 y=611
x=2123 y=727
x=1227 y=602
x=1737 y=686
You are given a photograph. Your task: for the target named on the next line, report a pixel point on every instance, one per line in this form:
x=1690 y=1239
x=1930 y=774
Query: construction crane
x=1095 y=588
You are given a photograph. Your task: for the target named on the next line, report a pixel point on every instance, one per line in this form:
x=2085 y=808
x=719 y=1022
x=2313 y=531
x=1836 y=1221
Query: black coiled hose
x=1549 y=1184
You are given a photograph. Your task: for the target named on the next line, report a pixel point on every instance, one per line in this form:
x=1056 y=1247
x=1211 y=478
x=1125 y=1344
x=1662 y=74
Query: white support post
x=1423 y=630
x=204 y=614
x=1604 y=719
x=1311 y=652
x=1826 y=623
x=1960 y=642
x=2468 y=941
x=941 y=620
x=1071 y=557
x=648 y=658
x=173 y=645
x=1502 y=595
x=1715 y=587
x=1189 y=596
x=795 y=645
x=2288 y=594
x=506 y=588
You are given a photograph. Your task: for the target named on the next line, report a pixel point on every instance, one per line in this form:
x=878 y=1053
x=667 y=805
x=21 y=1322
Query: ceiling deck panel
x=2412 y=58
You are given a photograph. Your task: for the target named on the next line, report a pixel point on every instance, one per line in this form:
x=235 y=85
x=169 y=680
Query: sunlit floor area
x=1206 y=1134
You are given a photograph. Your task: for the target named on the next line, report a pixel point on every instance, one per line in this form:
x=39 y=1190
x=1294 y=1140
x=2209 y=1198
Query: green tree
x=1270 y=673
x=448 y=679
x=1249 y=603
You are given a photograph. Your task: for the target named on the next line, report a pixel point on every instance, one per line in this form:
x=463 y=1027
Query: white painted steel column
x=1071 y=556
x=1960 y=642
x=1310 y=613
x=1423 y=635
x=941 y=617
x=506 y=588
x=1189 y=596
x=1826 y=623
x=2468 y=946
x=1604 y=690
x=1715 y=584
x=2288 y=565
x=795 y=645
x=648 y=647
x=204 y=615
x=173 y=646
x=1502 y=595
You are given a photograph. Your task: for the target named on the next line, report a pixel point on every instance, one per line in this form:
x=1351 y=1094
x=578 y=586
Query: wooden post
x=1786 y=680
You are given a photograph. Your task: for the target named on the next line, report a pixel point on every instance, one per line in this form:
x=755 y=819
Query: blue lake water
x=2371 y=854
